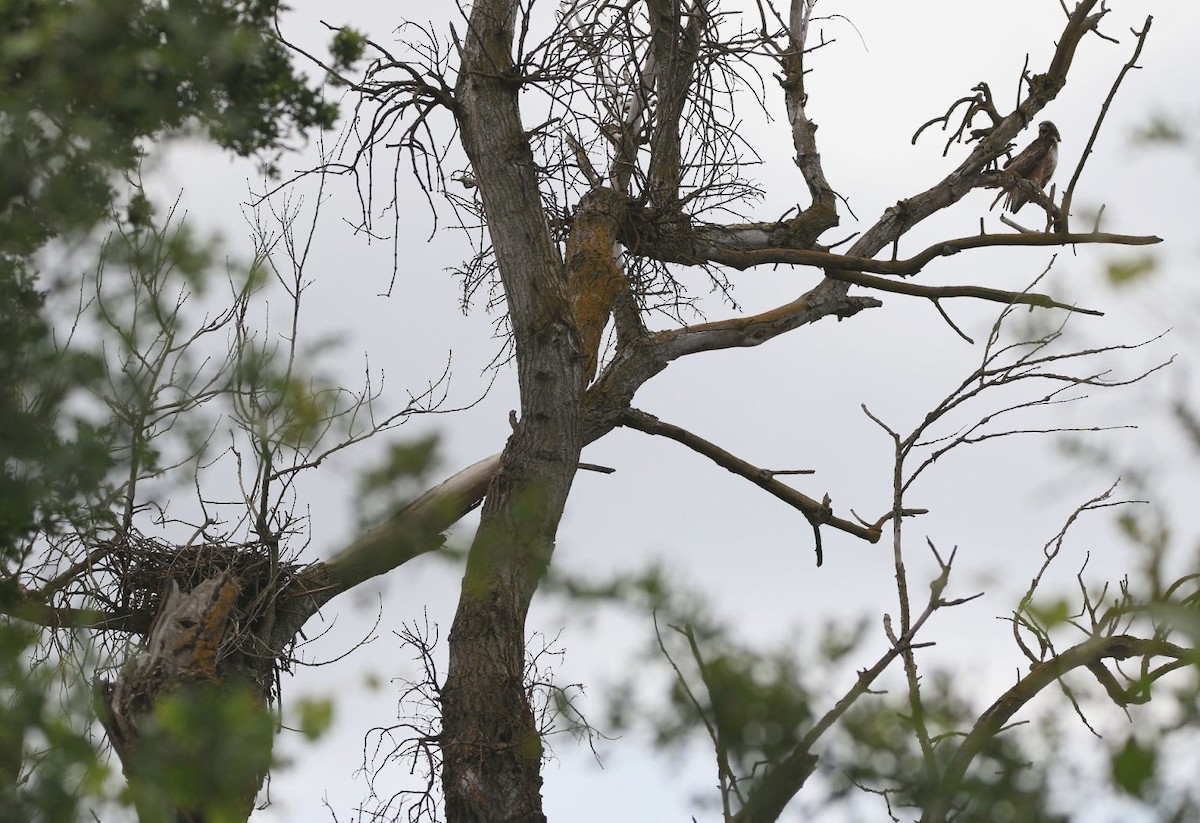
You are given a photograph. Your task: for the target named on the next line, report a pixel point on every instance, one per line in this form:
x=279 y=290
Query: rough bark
x=490 y=744
x=675 y=48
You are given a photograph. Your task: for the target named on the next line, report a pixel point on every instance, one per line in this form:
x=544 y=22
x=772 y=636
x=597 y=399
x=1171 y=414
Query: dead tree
x=593 y=205
x=588 y=216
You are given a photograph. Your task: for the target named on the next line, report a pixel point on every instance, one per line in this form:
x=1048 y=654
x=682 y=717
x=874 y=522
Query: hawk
x=1035 y=163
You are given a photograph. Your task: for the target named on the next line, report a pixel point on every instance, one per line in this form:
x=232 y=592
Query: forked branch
x=784 y=780
x=1091 y=652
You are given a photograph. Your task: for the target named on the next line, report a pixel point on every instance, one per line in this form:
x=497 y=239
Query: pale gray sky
x=792 y=403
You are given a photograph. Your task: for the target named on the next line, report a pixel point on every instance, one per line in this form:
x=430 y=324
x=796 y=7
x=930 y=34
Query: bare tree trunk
x=491 y=748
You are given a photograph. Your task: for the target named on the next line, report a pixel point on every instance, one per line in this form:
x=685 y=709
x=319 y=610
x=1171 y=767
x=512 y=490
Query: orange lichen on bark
x=201 y=641
x=593 y=277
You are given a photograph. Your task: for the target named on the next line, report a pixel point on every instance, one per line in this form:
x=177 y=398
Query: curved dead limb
x=981 y=101
x=1089 y=653
x=756 y=329
x=818 y=513
x=821 y=302
x=418 y=528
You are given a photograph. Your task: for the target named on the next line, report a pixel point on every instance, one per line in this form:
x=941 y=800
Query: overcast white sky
x=792 y=403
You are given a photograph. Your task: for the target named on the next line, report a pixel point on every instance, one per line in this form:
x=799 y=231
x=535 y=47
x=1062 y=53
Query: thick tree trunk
x=491 y=747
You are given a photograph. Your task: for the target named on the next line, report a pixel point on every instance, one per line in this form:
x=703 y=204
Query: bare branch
x=756 y=329
x=1069 y=194
x=726 y=779
x=817 y=513
x=1022 y=298
x=980 y=102
x=776 y=789
x=746 y=246
x=991 y=722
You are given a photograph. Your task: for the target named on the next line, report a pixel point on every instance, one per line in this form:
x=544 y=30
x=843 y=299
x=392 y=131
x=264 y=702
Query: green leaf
x=1126 y=272
x=347 y=48
x=1160 y=129
x=1051 y=614
x=316 y=716
x=1133 y=767
x=203 y=748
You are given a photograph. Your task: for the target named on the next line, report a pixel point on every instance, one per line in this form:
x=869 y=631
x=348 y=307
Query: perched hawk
x=1035 y=163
